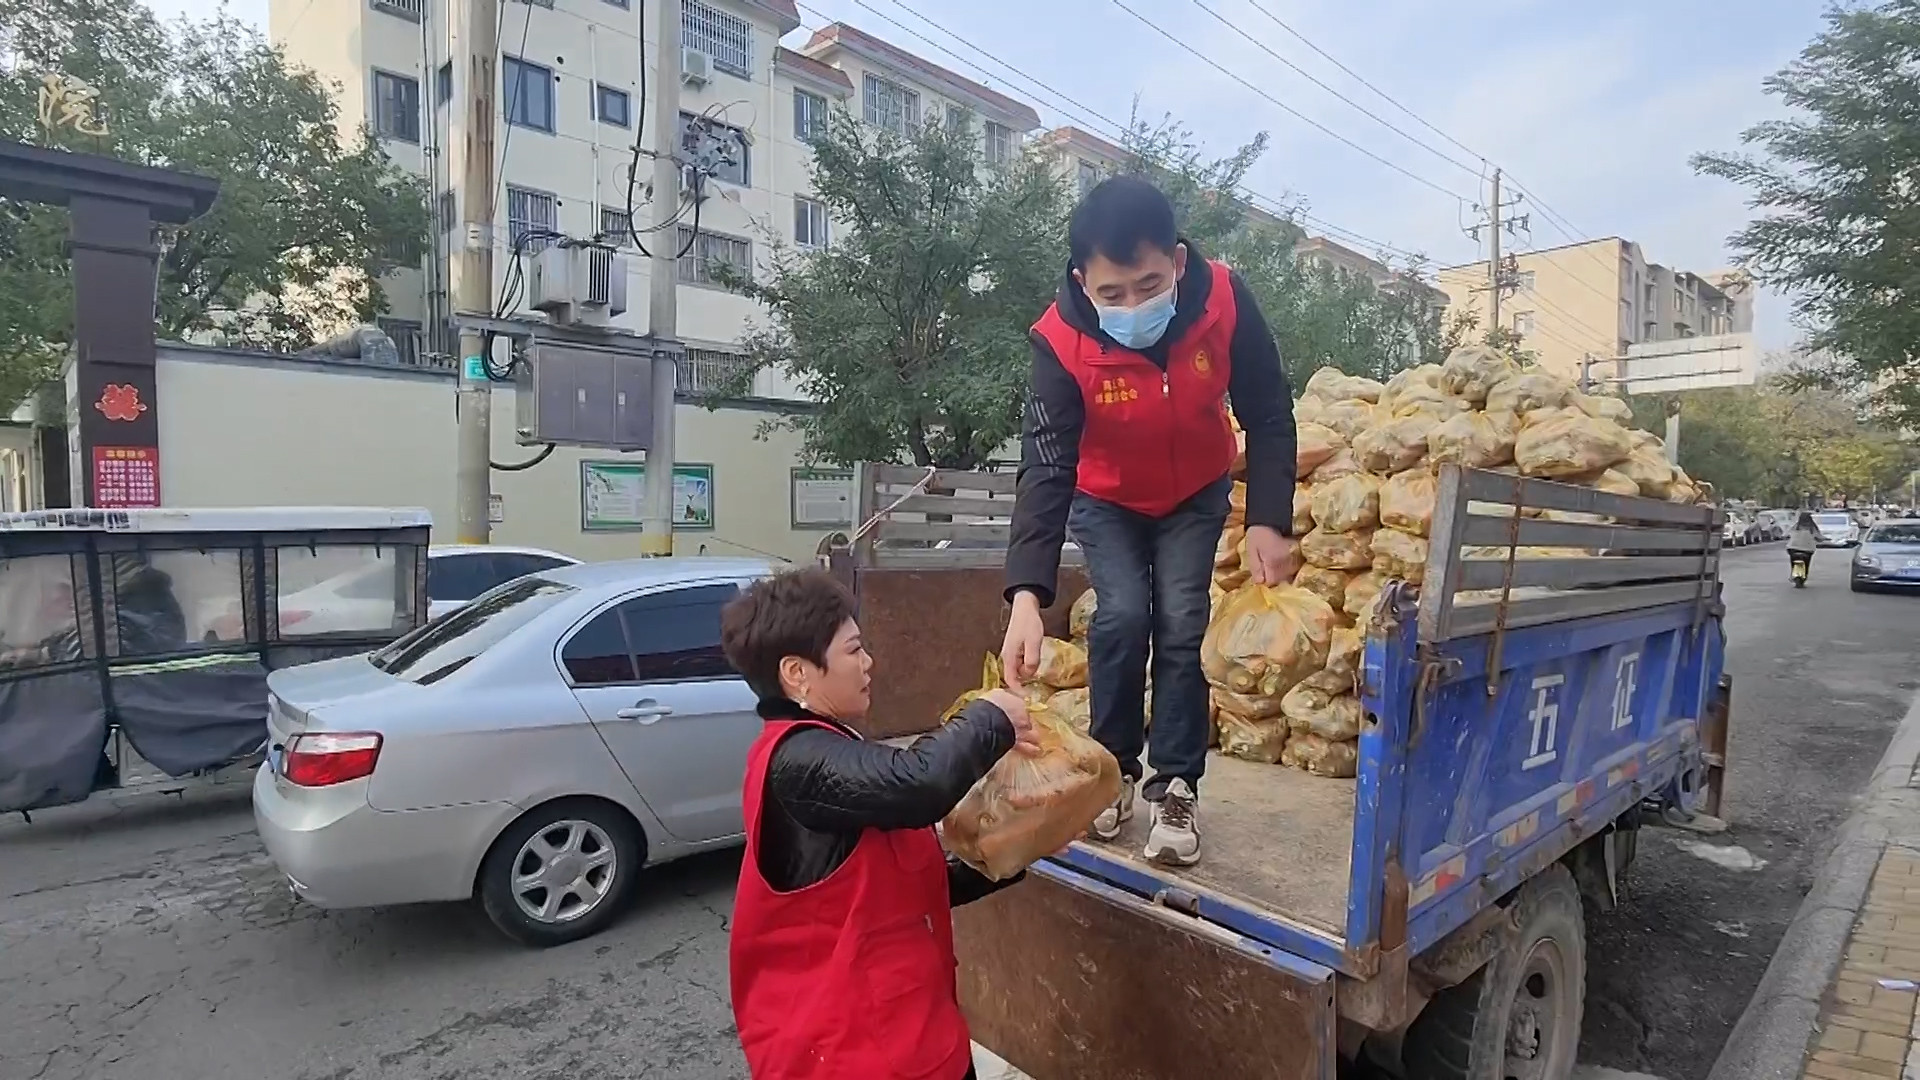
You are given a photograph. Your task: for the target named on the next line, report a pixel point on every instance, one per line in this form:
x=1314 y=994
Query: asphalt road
x=156 y=942
x=1821 y=676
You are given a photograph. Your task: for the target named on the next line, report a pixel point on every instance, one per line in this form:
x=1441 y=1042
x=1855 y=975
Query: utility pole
x=473 y=276
x=1500 y=277
x=1494 y=269
x=656 y=517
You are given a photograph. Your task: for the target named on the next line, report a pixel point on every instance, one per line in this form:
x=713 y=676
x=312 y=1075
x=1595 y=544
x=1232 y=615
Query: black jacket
x=824 y=788
x=1050 y=440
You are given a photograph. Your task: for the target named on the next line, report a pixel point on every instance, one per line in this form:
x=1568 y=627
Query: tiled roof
x=817 y=70
x=840 y=33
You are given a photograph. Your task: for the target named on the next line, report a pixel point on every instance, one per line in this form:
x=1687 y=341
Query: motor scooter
x=1802 y=562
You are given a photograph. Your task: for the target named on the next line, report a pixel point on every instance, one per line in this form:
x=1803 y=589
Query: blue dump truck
x=1556 y=678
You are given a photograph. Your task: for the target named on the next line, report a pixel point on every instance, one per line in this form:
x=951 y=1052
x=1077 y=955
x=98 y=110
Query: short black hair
x=794 y=613
x=1116 y=217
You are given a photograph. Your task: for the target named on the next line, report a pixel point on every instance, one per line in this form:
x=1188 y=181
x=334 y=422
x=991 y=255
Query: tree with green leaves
x=1839 y=210
x=1777 y=444
x=910 y=328
x=306 y=222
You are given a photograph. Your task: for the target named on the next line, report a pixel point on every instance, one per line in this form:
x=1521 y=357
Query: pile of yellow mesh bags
x=1283 y=660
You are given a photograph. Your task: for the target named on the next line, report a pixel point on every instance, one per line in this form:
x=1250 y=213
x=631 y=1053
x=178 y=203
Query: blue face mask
x=1140 y=326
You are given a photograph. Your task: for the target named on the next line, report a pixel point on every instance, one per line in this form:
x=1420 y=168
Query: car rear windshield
x=1899 y=532
x=445 y=645
x=1833 y=519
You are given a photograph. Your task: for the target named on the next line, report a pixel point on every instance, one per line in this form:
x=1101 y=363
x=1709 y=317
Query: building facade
x=578 y=79
x=1598 y=298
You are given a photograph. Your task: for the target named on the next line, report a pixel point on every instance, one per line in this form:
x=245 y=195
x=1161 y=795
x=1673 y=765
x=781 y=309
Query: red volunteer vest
x=851 y=978
x=1153 y=438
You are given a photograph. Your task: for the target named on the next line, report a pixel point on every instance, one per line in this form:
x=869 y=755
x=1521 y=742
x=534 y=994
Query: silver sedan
x=534 y=749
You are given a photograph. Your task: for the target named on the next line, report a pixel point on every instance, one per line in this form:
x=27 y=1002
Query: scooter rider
x=1802 y=542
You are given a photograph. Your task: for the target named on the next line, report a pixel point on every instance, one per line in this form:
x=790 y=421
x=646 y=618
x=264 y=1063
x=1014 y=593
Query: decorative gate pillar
x=114 y=206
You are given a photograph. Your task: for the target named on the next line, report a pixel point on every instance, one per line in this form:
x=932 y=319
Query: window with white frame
x=446 y=211
x=443 y=84
x=1087 y=175
x=615 y=227
x=889 y=105
x=959 y=119
x=809 y=222
x=809 y=115
x=728 y=39
x=1000 y=143
x=1523 y=323
x=530 y=214
x=708 y=253
x=396 y=106
x=528 y=89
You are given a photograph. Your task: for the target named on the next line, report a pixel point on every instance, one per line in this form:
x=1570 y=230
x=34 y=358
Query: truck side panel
x=1066 y=978
x=1585 y=719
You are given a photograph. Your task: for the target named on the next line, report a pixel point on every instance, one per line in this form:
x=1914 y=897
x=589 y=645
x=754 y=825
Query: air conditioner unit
x=578 y=284
x=696 y=67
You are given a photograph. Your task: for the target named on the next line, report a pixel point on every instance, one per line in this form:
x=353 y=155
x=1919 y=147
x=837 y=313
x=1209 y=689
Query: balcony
x=410 y=10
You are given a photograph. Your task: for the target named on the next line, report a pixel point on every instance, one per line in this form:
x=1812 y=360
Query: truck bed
x=1272 y=838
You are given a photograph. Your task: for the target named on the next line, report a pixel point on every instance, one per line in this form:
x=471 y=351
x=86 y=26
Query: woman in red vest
x=841 y=953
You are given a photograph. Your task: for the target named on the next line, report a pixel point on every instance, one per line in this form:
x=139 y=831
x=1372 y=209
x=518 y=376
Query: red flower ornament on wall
x=120 y=402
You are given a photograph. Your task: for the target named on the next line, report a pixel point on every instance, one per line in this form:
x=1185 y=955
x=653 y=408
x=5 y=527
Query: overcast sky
x=1592 y=108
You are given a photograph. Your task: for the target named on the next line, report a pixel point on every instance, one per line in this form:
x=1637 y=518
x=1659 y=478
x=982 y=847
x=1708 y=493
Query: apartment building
x=572 y=111
x=1600 y=297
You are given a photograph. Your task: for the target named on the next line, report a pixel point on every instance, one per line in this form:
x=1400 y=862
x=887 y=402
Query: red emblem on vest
x=120 y=401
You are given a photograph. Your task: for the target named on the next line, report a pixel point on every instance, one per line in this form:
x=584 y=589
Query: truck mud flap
x=1065 y=978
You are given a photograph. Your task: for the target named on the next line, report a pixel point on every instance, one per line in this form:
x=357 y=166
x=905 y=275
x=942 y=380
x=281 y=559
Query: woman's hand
x=1025 y=739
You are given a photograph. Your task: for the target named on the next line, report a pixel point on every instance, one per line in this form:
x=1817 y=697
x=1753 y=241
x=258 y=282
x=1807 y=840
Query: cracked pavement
x=155 y=940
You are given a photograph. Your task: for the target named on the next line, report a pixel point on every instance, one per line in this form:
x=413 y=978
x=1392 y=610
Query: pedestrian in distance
x=1127 y=446
x=841 y=953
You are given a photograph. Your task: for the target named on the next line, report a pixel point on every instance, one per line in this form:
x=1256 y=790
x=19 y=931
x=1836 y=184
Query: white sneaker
x=1175 y=837
x=1107 y=826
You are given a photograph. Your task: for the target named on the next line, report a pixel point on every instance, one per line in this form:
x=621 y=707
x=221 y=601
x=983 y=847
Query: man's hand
x=1025 y=739
x=1272 y=559
x=1020 y=652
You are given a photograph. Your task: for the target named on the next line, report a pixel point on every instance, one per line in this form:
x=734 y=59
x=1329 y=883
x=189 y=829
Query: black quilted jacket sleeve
x=824 y=789
x=831 y=783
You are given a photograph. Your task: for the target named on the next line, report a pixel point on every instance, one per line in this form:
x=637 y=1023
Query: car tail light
x=321 y=759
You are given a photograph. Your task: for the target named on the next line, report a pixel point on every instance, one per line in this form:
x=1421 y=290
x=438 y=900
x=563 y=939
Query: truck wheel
x=1518 y=1018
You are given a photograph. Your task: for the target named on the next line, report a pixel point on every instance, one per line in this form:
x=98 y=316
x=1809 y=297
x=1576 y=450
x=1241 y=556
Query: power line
x=1363 y=110
x=1553 y=217
x=1290 y=110
x=1102 y=123
x=1357 y=77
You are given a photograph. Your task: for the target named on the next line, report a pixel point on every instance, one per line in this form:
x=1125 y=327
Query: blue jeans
x=1151 y=575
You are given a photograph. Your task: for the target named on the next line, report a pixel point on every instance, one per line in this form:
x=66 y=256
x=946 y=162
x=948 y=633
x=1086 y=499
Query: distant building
x=1598 y=298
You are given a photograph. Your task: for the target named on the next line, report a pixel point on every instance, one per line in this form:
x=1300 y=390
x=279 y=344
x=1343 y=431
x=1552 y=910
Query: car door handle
x=646 y=711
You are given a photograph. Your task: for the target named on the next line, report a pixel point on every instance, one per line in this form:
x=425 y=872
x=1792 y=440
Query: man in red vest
x=1127 y=449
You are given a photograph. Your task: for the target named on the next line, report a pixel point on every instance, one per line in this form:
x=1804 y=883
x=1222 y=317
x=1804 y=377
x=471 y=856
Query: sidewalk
x=1866 y=1026
x=1838 y=1001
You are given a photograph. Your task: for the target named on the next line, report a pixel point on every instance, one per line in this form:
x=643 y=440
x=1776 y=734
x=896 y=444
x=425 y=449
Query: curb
x=1770 y=1040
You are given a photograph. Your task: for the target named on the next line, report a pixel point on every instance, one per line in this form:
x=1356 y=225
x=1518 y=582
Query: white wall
x=242 y=429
